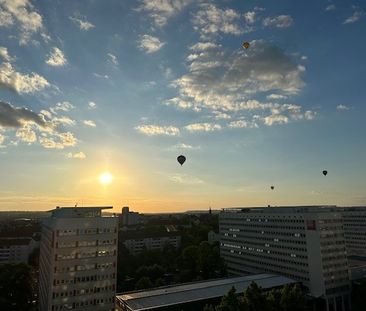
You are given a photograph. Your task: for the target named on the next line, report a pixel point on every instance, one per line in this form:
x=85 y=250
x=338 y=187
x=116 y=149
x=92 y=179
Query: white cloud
x=100 y=76
x=90 y=123
x=150 y=44
x=330 y=7
x=242 y=124
x=92 y=105
x=26 y=134
x=250 y=17
x=275 y=119
x=185 y=146
x=152 y=130
x=276 y=96
x=113 y=59
x=342 y=107
x=354 y=17
x=281 y=21
x=62 y=106
x=2 y=139
x=82 y=23
x=22 y=14
x=185 y=179
x=203 y=46
x=211 y=20
x=202 y=127
x=63 y=120
x=56 y=58
x=78 y=155
x=162 y=10
x=19 y=82
x=4 y=54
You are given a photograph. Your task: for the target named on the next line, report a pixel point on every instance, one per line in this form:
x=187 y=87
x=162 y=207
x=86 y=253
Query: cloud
x=92 y=105
x=113 y=59
x=79 y=155
x=100 y=76
x=203 y=46
x=90 y=123
x=2 y=139
x=210 y=20
x=242 y=124
x=185 y=179
x=275 y=119
x=330 y=7
x=202 y=127
x=14 y=117
x=185 y=146
x=150 y=44
x=250 y=17
x=152 y=130
x=342 y=107
x=356 y=16
x=281 y=21
x=30 y=127
x=21 y=14
x=16 y=81
x=162 y=10
x=62 y=106
x=82 y=23
x=276 y=96
x=56 y=58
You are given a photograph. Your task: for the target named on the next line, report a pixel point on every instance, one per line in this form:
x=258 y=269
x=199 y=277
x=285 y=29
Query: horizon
x=98 y=99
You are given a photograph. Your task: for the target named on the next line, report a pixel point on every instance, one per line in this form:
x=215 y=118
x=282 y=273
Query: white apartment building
x=14 y=250
x=305 y=243
x=354 y=223
x=78 y=260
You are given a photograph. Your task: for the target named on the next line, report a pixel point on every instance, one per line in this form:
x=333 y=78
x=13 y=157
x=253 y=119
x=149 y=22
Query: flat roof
x=283 y=209
x=189 y=292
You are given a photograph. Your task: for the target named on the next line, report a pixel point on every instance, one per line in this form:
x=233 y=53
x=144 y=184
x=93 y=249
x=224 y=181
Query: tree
x=209 y=308
x=273 y=299
x=359 y=296
x=292 y=298
x=144 y=283
x=229 y=302
x=254 y=299
x=15 y=287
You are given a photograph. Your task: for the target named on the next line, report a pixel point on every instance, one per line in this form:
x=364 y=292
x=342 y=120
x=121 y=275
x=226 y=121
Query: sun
x=105 y=178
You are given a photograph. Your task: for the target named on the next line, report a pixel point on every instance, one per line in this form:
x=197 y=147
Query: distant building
x=128 y=218
x=78 y=260
x=137 y=245
x=304 y=243
x=14 y=250
x=193 y=296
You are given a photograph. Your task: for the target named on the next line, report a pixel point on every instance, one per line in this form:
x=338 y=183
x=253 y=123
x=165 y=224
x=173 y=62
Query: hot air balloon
x=272 y=187
x=246 y=45
x=325 y=173
x=181 y=159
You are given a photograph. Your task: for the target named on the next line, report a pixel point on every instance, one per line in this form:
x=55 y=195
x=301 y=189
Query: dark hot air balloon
x=272 y=187
x=246 y=45
x=181 y=159
x=325 y=173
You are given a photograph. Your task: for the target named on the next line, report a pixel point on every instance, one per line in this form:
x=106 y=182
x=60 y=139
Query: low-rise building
x=137 y=245
x=194 y=296
x=15 y=250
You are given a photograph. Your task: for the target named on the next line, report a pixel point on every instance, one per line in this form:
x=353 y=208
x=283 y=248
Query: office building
x=354 y=223
x=137 y=245
x=14 y=250
x=78 y=259
x=128 y=218
x=304 y=243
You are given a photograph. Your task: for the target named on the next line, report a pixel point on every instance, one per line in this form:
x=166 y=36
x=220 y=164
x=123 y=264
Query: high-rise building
x=354 y=223
x=304 y=243
x=78 y=260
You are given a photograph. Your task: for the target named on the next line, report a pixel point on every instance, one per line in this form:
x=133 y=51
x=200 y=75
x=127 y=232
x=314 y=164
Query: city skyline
x=124 y=87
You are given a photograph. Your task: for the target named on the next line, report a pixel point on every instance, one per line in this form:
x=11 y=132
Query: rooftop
x=184 y=293
x=283 y=209
x=76 y=212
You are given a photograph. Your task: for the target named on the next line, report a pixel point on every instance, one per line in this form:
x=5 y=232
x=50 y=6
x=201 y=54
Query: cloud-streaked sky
x=127 y=86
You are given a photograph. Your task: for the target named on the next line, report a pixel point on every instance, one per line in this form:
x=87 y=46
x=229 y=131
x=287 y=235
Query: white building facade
x=14 y=250
x=304 y=243
x=136 y=246
x=78 y=260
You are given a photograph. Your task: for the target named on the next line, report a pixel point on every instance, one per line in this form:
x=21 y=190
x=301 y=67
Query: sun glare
x=105 y=178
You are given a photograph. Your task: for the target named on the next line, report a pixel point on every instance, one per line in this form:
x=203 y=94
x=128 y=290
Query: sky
x=125 y=87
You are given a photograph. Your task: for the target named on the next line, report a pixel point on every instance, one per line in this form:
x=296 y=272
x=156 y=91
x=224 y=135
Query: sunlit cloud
x=281 y=21
x=152 y=130
x=82 y=23
x=56 y=58
x=186 y=146
x=90 y=123
x=150 y=44
x=185 y=179
x=78 y=155
x=203 y=127
x=92 y=105
x=62 y=106
x=342 y=107
x=113 y=59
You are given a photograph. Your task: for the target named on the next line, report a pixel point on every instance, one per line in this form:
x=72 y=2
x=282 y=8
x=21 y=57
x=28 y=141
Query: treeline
x=170 y=266
x=289 y=298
